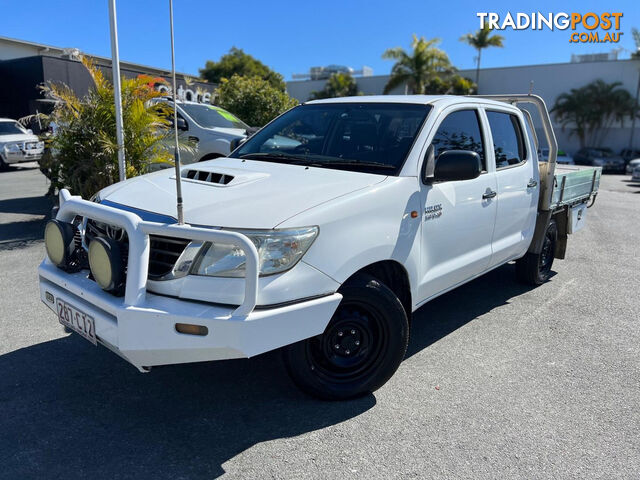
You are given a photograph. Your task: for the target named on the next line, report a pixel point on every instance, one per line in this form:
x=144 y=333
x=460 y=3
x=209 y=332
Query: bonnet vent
x=208 y=177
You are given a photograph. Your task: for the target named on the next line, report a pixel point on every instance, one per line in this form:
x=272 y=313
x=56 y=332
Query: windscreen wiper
x=384 y=166
x=278 y=157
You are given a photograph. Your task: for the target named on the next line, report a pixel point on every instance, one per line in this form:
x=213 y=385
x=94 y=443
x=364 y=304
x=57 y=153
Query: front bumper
x=145 y=334
x=141 y=326
x=21 y=157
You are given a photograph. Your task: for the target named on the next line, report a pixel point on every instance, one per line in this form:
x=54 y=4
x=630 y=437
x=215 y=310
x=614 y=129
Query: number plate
x=77 y=320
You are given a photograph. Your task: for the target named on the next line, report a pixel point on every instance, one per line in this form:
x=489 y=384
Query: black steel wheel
x=360 y=349
x=535 y=269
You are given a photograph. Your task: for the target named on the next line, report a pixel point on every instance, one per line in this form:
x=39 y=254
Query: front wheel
x=535 y=269
x=360 y=349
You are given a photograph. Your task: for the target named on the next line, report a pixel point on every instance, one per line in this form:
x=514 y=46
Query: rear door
x=518 y=183
x=458 y=216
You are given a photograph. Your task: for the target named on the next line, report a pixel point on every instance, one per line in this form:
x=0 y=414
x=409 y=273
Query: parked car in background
x=212 y=129
x=631 y=165
x=629 y=154
x=18 y=144
x=562 y=157
x=635 y=176
x=600 y=157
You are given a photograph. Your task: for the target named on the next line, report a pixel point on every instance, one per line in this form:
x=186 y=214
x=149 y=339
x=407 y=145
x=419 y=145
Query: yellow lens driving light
x=105 y=261
x=58 y=241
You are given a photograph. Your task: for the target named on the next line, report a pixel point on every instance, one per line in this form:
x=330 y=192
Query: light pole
x=117 y=93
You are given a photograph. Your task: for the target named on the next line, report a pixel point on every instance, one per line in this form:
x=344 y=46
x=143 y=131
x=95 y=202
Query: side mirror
x=182 y=124
x=29 y=131
x=236 y=142
x=455 y=165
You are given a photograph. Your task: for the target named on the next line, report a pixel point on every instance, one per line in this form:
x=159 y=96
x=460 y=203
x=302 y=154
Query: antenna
x=175 y=122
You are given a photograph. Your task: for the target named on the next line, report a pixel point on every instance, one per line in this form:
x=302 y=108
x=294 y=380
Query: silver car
x=18 y=144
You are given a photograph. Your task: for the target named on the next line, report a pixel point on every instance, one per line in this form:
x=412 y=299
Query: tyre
x=3 y=164
x=360 y=349
x=535 y=269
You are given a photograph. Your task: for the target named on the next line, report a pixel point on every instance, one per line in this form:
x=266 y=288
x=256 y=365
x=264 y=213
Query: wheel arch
x=395 y=276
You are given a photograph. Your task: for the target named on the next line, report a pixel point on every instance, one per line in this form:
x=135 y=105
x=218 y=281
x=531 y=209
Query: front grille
x=164 y=251
x=164 y=254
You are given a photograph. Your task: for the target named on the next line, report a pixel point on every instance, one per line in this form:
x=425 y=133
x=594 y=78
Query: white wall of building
x=549 y=81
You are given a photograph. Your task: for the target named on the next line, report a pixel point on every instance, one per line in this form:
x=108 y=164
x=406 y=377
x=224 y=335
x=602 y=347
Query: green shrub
x=84 y=153
x=253 y=99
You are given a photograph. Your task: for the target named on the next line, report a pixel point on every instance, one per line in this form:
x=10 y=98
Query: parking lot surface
x=500 y=380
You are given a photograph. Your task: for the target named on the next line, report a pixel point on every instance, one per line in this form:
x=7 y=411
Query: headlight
x=12 y=148
x=40 y=145
x=278 y=251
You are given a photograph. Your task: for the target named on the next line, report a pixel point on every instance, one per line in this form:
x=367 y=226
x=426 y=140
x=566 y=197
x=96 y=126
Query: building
x=26 y=65
x=548 y=81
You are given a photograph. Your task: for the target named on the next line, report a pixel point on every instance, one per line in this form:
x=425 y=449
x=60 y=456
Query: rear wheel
x=360 y=349
x=535 y=269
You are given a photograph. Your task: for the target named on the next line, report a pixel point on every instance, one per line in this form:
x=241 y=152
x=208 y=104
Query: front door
x=458 y=216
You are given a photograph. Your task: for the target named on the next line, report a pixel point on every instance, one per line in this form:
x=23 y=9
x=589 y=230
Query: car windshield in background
x=210 y=116
x=367 y=137
x=11 y=128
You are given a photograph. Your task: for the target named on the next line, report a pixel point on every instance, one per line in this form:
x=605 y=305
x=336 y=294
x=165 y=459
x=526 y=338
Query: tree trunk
x=478 y=71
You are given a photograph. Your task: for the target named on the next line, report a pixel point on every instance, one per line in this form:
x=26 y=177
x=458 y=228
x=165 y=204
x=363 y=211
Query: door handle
x=193 y=139
x=532 y=183
x=489 y=194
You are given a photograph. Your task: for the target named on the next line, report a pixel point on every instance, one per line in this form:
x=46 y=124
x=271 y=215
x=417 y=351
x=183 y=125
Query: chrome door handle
x=489 y=194
x=532 y=183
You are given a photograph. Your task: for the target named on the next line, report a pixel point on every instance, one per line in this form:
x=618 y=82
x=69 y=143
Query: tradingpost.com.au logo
x=586 y=27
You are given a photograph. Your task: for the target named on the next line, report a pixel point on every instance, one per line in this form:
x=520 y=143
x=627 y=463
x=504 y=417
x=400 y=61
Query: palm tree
x=480 y=40
x=420 y=67
x=592 y=110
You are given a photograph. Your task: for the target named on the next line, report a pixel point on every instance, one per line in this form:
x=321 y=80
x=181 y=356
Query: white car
x=562 y=157
x=18 y=144
x=632 y=165
x=213 y=130
x=322 y=234
x=635 y=175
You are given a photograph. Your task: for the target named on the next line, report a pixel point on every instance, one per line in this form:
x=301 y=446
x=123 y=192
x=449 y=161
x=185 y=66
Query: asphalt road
x=500 y=380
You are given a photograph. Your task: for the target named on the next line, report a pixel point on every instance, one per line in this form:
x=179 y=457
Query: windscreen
x=210 y=116
x=11 y=128
x=371 y=137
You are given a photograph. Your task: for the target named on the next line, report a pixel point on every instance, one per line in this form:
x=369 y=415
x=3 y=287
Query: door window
x=508 y=141
x=460 y=130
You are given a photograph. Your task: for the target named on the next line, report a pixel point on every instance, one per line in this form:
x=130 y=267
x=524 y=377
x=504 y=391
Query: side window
x=508 y=140
x=460 y=130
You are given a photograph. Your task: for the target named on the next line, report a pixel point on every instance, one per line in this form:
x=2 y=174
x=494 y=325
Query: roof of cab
x=414 y=99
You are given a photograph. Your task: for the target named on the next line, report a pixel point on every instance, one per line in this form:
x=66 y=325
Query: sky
x=291 y=36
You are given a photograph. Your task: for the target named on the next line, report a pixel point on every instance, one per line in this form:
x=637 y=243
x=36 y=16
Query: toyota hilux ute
x=319 y=235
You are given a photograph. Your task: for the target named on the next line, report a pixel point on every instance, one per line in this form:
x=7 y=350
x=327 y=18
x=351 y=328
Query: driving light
x=58 y=241
x=278 y=251
x=105 y=262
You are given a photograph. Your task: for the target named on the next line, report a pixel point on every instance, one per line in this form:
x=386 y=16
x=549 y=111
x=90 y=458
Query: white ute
x=321 y=234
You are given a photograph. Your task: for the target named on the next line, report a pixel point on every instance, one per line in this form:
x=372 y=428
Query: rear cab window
x=508 y=139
